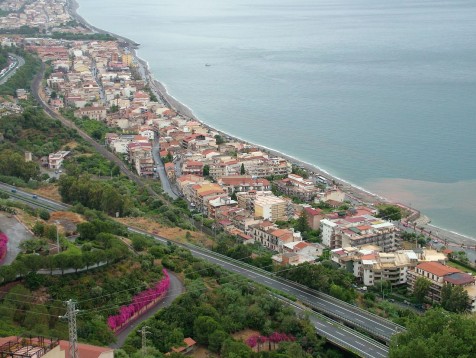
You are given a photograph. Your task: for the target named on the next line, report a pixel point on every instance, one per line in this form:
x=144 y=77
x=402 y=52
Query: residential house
x=97 y=113
x=296 y=186
x=243 y=183
x=55 y=160
x=273 y=238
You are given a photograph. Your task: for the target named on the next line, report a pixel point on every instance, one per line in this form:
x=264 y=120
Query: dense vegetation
x=22 y=30
x=436 y=334
x=34 y=131
x=323 y=277
x=14 y=164
x=216 y=305
x=24 y=75
x=109 y=286
x=83 y=37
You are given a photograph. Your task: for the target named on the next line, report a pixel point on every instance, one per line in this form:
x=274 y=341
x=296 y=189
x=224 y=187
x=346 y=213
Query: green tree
x=420 y=290
x=302 y=224
x=233 y=349
x=390 y=212
x=216 y=339
x=242 y=169
x=219 y=139
x=203 y=326
x=454 y=298
x=437 y=333
x=206 y=170
x=44 y=214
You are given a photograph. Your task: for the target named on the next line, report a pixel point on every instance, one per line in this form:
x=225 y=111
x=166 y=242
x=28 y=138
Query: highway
x=335 y=332
x=341 y=335
x=327 y=305
x=38 y=202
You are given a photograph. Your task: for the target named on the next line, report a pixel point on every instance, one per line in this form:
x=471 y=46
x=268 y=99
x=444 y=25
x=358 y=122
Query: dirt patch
x=67 y=221
x=27 y=219
x=171 y=233
x=245 y=334
x=202 y=352
x=50 y=192
x=73 y=144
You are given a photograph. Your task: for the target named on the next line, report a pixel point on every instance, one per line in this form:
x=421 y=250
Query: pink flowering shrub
x=275 y=337
x=139 y=301
x=3 y=245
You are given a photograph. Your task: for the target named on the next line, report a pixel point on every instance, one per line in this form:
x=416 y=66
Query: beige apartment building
x=270 y=208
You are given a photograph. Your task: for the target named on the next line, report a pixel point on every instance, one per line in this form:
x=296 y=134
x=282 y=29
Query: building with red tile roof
x=440 y=275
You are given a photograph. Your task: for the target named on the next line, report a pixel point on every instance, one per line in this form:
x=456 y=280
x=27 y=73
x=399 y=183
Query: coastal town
x=247 y=191
x=230 y=186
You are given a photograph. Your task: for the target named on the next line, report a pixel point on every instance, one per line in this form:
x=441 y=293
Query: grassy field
x=462 y=268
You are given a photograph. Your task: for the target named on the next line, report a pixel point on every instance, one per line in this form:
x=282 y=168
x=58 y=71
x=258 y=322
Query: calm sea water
x=379 y=93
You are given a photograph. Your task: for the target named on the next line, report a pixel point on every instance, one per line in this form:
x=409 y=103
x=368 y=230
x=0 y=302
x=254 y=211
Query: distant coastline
x=351 y=189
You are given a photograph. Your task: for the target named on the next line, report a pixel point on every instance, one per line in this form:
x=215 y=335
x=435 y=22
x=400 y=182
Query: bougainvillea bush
x=139 y=301
x=3 y=245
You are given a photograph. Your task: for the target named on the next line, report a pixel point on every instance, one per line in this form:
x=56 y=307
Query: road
x=330 y=306
x=176 y=289
x=161 y=171
x=342 y=336
x=39 y=202
x=10 y=73
x=337 y=333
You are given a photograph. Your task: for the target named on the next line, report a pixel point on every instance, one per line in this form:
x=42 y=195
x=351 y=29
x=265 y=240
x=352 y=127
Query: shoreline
x=351 y=190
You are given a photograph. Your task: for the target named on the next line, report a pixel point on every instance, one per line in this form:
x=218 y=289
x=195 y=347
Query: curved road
x=10 y=73
x=175 y=290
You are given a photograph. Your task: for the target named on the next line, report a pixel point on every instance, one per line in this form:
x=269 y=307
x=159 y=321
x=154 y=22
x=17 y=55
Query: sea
x=381 y=94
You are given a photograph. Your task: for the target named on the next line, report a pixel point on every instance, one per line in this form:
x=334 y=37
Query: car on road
x=14 y=190
x=35 y=196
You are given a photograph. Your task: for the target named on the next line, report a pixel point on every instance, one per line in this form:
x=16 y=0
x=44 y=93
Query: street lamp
x=57 y=237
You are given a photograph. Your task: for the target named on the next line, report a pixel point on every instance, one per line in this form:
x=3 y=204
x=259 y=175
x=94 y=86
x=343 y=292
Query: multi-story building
x=243 y=183
x=200 y=194
x=192 y=167
x=357 y=231
x=297 y=186
x=372 y=266
x=440 y=275
x=271 y=208
x=270 y=236
x=97 y=113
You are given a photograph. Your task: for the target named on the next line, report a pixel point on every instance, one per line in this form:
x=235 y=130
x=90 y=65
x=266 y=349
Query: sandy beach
x=352 y=191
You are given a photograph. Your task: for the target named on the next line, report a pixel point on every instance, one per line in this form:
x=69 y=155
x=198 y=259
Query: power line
x=73 y=333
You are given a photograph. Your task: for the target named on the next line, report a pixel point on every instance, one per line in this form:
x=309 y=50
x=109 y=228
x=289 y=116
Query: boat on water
x=207 y=65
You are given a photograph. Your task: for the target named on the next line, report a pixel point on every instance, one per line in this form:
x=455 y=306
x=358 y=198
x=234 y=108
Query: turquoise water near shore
x=379 y=93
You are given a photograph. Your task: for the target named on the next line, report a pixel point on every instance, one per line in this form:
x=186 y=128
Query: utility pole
x=57 y=237
x=73 y=333
x=144 y=333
